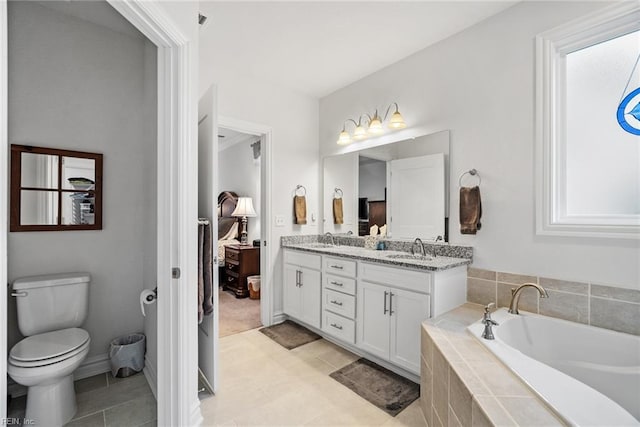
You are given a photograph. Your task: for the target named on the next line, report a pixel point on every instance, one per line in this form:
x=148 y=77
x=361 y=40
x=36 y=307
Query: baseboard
x=93 y=365
x=279 y=318
x=151 y=376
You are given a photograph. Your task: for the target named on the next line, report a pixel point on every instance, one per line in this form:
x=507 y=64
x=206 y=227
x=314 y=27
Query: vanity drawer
x=302 y=259
x=339 y=303
x=340 y=266
x=339 y=327
x=341 y=284
x=413 y=280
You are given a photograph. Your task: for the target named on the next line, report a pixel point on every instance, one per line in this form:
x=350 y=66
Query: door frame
x=266 y=267
x=177 y=396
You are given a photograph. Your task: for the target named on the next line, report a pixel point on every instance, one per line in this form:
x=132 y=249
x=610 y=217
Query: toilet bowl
x=50 y=310
x=45 y=363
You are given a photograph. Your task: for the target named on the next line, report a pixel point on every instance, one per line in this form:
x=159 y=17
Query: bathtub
x=589 y=376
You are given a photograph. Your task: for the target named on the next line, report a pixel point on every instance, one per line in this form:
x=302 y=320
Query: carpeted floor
x=237 y=314
x=385 y=389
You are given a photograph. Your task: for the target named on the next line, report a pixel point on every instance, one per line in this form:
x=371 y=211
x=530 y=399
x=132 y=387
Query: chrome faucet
x=328 y=234
x=418 y=241
x=489 y=323
x=515 y=295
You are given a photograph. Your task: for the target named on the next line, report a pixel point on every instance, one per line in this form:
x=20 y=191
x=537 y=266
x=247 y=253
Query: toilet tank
x=51 y=302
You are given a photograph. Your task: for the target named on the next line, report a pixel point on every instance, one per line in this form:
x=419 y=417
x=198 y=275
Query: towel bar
x=471 y=172
x=298 y=187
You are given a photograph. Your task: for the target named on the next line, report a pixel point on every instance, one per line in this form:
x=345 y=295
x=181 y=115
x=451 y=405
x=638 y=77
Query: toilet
x=51 y=309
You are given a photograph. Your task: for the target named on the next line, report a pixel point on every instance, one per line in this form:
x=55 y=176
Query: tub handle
x=19 y=294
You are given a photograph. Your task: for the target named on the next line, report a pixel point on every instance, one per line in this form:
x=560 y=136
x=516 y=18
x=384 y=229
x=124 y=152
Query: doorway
x=239 y=244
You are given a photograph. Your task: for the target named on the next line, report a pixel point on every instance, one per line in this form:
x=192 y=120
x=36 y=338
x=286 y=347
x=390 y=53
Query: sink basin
x=410 y=256
x=320 y=245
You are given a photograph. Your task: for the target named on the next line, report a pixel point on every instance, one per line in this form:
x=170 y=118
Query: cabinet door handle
x=390 y=303
x=336 y=326
x=298 y=278
x=337 y=267
x=338 y=303
x=333 y=282
x=301 y=278
x=385 y=302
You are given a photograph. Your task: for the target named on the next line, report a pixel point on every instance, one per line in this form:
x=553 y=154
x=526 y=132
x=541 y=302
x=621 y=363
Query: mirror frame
x=16 y=187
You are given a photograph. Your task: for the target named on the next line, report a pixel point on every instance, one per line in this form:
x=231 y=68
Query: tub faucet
x=515 y=295
x=418 y=242
x=489 y=323
x=328 y=234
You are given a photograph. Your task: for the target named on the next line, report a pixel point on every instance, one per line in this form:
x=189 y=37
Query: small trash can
x=126 y=354
x=253 y=283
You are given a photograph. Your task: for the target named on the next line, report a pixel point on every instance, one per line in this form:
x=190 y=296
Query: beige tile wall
x=589 y=303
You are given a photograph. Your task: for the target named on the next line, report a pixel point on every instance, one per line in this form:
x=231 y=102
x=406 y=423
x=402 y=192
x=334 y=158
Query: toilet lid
x=49 y=345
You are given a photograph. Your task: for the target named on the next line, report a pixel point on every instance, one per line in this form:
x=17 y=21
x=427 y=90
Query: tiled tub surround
x=592 y=304
x=463 y=384
x=448 y=256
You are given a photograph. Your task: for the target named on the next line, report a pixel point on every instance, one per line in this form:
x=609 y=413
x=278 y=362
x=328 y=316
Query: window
x=587 y=163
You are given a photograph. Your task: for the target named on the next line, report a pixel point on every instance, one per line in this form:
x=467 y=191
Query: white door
x=311 y=300
x=291 y=290
x=208 y=208
x=373 y=319
x=416 y=199
x=408 y=310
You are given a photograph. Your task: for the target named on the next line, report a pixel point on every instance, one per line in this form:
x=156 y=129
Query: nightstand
x=240 y=261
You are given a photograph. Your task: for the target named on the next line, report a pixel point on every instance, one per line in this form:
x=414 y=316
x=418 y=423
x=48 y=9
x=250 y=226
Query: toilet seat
x=49 y=348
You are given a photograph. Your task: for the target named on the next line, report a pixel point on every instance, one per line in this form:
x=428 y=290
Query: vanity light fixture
x=374 y=126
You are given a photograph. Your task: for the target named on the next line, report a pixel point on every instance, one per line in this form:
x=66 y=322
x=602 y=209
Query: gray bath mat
x=385 y=389
x=290 y=335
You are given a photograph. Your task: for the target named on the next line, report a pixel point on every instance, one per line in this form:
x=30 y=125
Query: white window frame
x=551 y=50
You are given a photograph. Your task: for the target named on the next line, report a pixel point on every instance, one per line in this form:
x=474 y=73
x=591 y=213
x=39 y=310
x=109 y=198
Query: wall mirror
x=404 y=185
x=55 y=189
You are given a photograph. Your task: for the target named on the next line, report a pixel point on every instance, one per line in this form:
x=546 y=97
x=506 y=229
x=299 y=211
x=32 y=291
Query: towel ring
x=298 y=187
x=338 y=192
x=471 y=172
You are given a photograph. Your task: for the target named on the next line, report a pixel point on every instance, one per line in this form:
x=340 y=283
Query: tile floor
x=261 y=384
x=264 y=384
x=107 y=401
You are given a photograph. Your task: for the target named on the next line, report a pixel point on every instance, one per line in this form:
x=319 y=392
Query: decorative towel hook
x=301 y=187
x=471 y=172
x=337 y=192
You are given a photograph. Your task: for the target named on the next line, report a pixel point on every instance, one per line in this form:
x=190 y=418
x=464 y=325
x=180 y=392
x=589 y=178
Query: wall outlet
x=279 y=220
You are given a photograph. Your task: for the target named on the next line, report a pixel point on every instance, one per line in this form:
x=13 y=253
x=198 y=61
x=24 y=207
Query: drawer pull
x=390 y=303
x=338 y=303
x=333 y=282
x=385 y=302
x=338 y=267
x=336 y=326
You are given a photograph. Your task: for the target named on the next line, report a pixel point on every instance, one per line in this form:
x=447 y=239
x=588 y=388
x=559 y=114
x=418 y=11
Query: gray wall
x=81 y=86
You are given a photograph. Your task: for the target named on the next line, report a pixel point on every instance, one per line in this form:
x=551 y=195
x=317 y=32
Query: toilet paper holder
x=150 y=298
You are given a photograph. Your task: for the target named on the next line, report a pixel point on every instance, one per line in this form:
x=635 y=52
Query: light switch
x=279 y=220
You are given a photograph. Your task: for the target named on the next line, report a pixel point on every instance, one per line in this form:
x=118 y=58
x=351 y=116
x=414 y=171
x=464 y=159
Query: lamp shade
x=359 y=133
x=375 y=125
x=344 y=138
x=244 y=207
x=397 y=121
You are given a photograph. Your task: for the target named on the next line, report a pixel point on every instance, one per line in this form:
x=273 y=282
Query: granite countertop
x=381 y=256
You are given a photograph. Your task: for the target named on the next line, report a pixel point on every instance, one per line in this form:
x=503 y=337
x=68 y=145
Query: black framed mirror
x=54 y=189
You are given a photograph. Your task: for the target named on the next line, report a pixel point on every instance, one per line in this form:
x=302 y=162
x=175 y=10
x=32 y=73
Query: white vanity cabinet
x=339 y=298
x=392 y=303
x=302 y=287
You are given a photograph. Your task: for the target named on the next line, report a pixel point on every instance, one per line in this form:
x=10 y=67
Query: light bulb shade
x=344 y=138
x=244 y=207
x=359 y=133
x=396 y=121
x=375 y=126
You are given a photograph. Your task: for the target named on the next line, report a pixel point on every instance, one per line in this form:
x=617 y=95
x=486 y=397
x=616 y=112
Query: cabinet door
x=408 y=310
x=373 y=319
x=291 y=291
x=310 y=295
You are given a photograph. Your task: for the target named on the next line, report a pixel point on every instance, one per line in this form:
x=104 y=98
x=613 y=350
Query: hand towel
x=470 y=210
x=338 y=215
x=383 y=231
x=373 y=231
x=205 y=272
x=299 y=210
